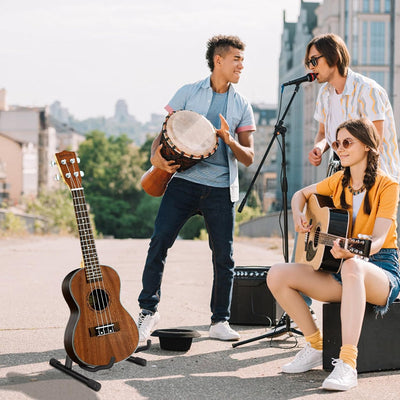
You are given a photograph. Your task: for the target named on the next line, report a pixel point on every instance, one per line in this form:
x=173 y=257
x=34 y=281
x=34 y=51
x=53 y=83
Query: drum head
x=191 y=133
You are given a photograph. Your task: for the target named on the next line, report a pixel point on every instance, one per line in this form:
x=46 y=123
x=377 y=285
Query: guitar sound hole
x=98 y=299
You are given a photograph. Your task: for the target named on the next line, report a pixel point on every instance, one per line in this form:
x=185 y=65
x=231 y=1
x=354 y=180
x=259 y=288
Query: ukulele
x=328 y=224
x=99 y=332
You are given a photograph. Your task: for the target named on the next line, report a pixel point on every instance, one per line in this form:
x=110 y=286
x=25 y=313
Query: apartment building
x=27 y=145
x=300 y=128
x=371 y=30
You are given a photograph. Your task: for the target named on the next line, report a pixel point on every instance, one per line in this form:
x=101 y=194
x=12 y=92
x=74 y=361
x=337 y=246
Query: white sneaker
x=222 y=331
x=343 y=377
x=305 y=360
x=146 y=323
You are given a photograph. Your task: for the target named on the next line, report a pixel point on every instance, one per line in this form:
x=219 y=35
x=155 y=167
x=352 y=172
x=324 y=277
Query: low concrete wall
x=28 y=219
x=266 y=226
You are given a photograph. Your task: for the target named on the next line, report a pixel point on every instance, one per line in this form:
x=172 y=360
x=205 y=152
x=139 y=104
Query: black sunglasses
x=313 y=61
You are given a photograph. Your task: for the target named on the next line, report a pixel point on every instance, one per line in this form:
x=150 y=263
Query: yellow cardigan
x=383 y=198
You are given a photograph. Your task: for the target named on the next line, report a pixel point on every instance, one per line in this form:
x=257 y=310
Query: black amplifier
x=378 y=347
x=252 y=302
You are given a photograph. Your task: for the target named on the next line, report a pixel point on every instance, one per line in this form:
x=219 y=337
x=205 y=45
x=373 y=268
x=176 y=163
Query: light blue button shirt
x=239 y=115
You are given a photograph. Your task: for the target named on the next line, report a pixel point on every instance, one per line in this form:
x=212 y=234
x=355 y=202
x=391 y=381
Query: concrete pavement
x=34 y=315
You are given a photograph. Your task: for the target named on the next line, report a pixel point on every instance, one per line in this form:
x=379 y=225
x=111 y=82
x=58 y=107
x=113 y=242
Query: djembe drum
x=187 y=138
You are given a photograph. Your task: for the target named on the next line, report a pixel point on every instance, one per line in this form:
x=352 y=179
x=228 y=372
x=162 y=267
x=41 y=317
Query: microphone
x=306 y=78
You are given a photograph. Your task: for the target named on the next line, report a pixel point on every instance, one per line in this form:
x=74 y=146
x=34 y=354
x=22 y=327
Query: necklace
x=356 y=192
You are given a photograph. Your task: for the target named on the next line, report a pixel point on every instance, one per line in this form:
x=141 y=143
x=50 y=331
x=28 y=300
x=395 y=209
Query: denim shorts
x=388 y=260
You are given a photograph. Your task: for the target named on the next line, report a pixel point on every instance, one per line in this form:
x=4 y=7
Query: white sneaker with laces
x=305 y=360
x=343 y=377
x=146 y=323
x=222 y=331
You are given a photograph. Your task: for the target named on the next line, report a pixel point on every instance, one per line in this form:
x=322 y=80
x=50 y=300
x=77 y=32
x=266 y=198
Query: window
x=354 y=49
x=377 y=53
x=378 y=76
x=366 y=6
x=364 y=42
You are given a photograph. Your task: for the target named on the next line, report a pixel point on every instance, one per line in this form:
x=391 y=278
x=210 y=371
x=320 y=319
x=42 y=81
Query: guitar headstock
x=360 y=246
x=67 y=162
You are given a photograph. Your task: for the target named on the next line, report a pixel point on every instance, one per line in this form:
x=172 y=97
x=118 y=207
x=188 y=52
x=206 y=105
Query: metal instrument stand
x=91 y=383
x=280 y=129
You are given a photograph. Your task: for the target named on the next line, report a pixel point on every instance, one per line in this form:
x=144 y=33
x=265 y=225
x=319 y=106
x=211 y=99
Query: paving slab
x=34 y=315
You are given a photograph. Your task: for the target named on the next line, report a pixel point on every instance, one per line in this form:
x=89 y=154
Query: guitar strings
x=96 y=289
x=99 y=295
x=75 y=185
x=328 y=238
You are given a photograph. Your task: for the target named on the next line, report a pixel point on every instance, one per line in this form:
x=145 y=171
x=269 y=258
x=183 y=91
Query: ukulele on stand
x=99 y=332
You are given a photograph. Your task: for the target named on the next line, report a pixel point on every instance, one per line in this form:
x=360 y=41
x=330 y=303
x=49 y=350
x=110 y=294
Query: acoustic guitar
x=99 y=332
x=328 y=224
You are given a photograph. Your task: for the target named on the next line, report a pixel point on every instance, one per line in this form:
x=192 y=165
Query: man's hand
x=315 y=156
x=157 y=160
x=223 y=132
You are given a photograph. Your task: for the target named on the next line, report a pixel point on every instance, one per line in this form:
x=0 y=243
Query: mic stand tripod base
x=274 y=333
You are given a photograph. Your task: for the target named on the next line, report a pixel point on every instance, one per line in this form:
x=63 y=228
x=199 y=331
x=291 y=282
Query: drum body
x=187 y=137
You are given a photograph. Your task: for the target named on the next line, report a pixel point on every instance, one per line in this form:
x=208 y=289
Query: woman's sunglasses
x=346 y=144
x=313 y=61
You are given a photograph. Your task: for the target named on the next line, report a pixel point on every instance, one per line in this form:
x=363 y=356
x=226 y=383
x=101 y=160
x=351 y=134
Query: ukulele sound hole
x=98 y=299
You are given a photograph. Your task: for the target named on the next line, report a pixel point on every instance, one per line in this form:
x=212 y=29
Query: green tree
x=56 y=207
x=145 y=151
x=112 y=166
x=113 y=171
x=193 y=227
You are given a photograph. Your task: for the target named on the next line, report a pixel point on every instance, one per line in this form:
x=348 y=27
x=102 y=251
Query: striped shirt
x=239 y=115
x=362 y=97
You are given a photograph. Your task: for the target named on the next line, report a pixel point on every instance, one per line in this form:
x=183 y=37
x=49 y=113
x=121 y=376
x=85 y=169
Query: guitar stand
x=91 y=383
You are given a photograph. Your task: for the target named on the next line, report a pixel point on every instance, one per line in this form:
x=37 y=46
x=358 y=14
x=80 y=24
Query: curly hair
x=220 y=45
x=334 y=50
x=363 y=130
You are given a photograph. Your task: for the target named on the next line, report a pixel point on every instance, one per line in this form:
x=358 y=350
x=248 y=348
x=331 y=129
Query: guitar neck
x=327 y=239
x=88 y=247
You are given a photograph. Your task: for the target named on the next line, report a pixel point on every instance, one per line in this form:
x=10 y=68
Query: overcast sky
x=90 y=53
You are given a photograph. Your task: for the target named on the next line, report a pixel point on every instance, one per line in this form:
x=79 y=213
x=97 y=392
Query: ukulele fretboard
x=89 y=252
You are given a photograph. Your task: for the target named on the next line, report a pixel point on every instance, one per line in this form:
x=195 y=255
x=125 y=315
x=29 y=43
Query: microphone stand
x=279 y=129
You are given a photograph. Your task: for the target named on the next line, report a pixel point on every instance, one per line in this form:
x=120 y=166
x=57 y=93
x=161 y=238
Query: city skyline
x=89 y=54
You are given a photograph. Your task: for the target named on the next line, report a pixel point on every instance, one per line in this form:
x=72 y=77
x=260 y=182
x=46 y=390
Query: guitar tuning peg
x=78 y=160
x=82 y=173
x=57 y=177
x=52 y=163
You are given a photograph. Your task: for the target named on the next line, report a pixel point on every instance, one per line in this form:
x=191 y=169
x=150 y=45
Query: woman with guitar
x=370 y=198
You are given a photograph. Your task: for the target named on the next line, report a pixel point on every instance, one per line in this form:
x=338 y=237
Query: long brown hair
x=334 y=50
x=363 y=130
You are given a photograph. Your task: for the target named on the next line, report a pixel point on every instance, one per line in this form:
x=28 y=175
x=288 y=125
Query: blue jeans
x=182 y=200
x=388 y=260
